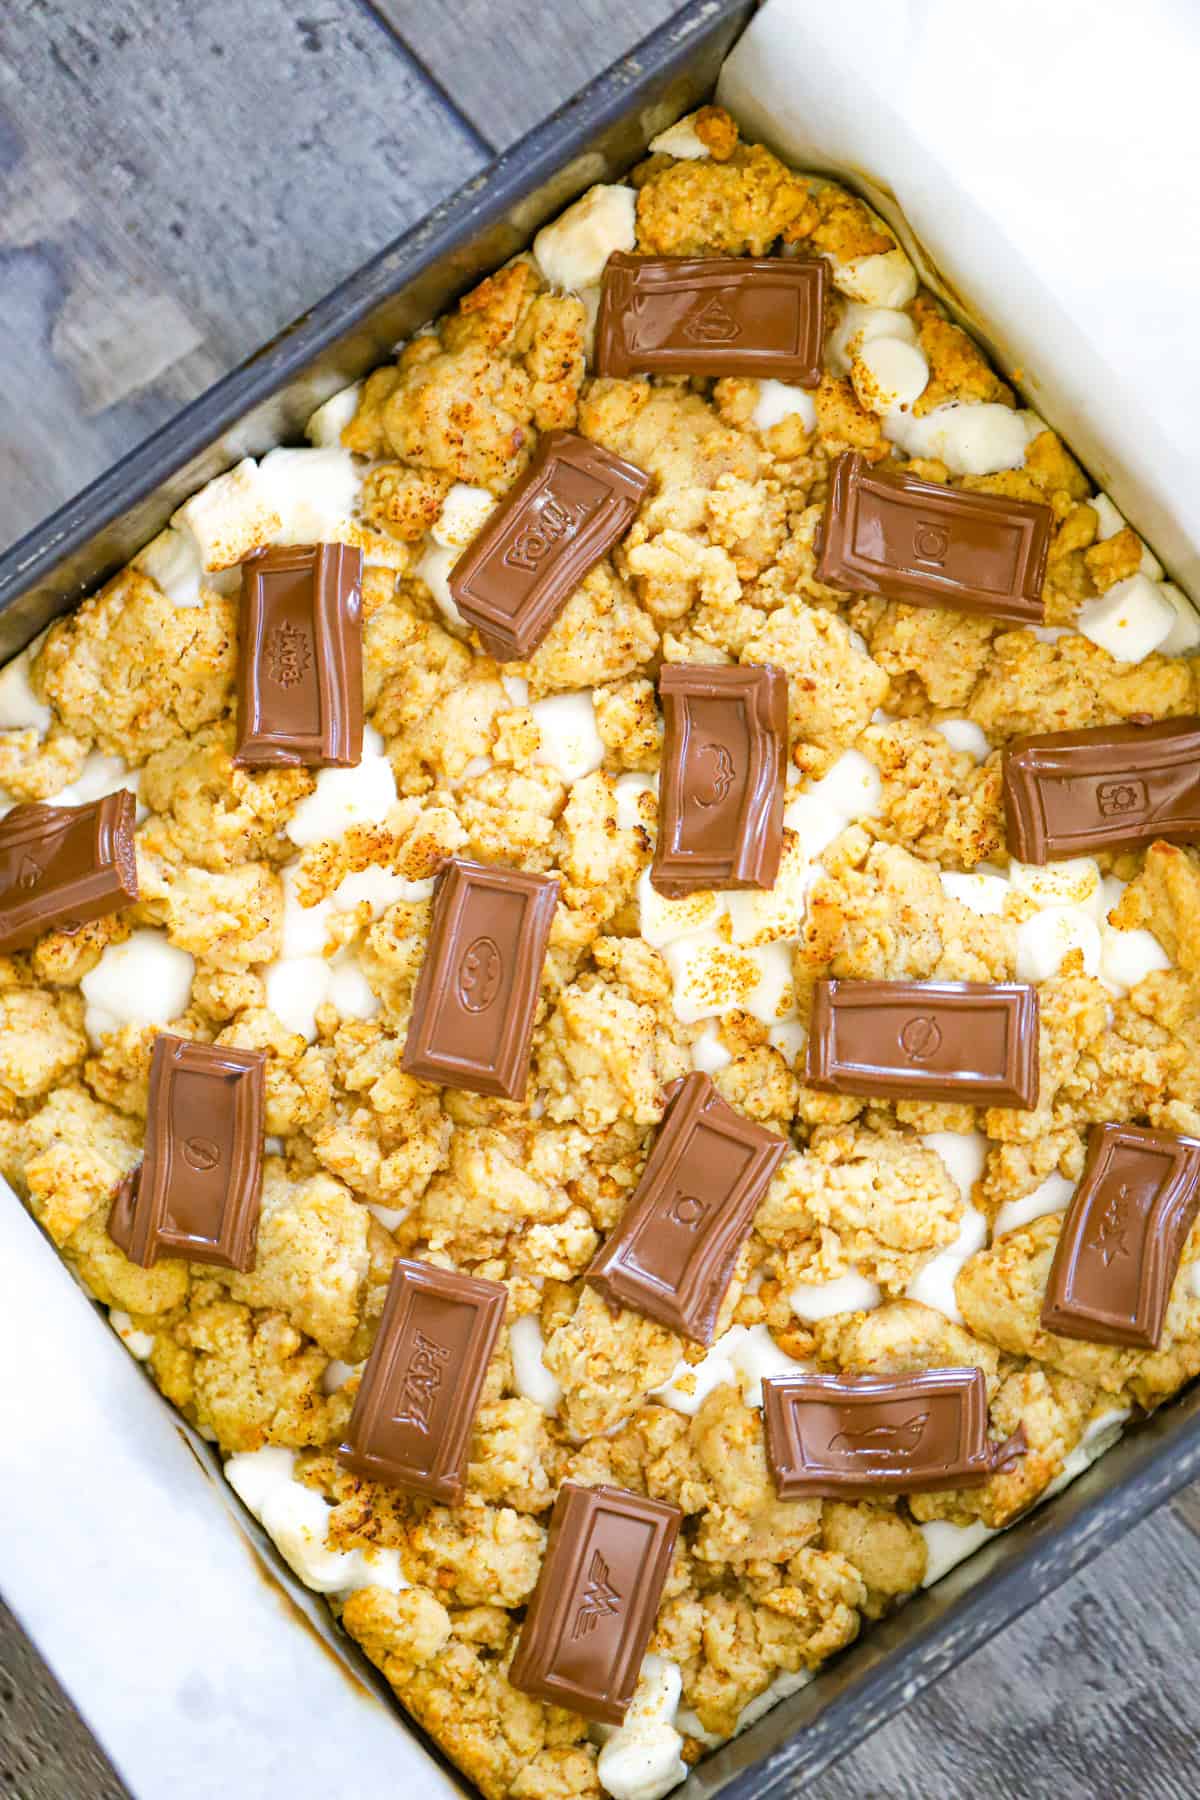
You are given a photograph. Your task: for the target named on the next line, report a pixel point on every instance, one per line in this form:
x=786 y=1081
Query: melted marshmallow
x=345 y=797
x=20 y=708
x=144 y=981
x=463 y=515
x=568 y=739
x=572 y=252
x=138 y=1343
x=779 y=400
x=978 y=439
x=1053 y=1195
x=533 y=1379
x=326 y=425
x=811 y=1300
x=313 y=491
x=296 y=1519
x=965 y=734
x=861 y=325
x=640 y=1758
x=1132 y=619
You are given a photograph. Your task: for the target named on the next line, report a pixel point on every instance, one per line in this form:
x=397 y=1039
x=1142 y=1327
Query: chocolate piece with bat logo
x=722 y=784
x=931 y=545
x=594 y=1605
x=854 y=1437
x=476 y=995
x=568 y=509
x=300 y=685
x=1111 y=787
x=719 y=315
x=673 y=1252
x=1123 y=1235
x=197 y=1192
x=62 y=866
x=416 y=1404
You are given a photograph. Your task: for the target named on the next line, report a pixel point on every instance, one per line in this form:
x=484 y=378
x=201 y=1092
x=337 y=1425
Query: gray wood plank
x=46 y=1750
x=507 y=63
x=176 y=184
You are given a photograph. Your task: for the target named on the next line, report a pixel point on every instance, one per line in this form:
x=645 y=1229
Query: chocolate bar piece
x=1119 y=1248
x=595 y=1602
x=569 y=508
x=197 y=1192
x=915 y=540
x=975 y=1042
x=672 y=1255
x=855 y=1437
x=300 y=690
x=61 y=866
x=718 y=315
x=472 y=1017
x=1113 y=787
x=722 y=784
x=419 y=1394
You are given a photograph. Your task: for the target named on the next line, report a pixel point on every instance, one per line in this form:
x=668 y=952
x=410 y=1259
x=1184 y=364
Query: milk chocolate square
x=477 y=993
x=1123 y=1235
x=856 y=1437
x=975 y=1042
x=672 y=1255
x=716 y=315
x=567 y=511
x=1111 y=787
x=300 y=690
x=416 y=1405
x=721 y=789
x=594 y=1606
x=198 y=1190
x=894 y=534
x=62 y=866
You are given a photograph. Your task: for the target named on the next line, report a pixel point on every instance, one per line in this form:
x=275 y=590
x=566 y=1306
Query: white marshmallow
x=1184 y=635
x=296 y=1519
x=138 y=1343
x=933 y=1285
x=1073 y=881
x=708 y=1052
x=1100 y=1434
x=680 y=141
x=389 y=1216
x=757 y=1354
x=885 y=279
x=859 y=326
x=963 y=1153
x=1127 y=957
x=572 y=252
x=313 y=491
x=689 y=1384
x=349 y=990
x=533 y=1379
x=767 y=915
x=1052 y=1195
x=464 y=512
x=1112 y=521
x=433 y=567
x=230 y=517
x=965 y=734
x=337 y=1374
x=789 y=1038
x=326 y=425
x=1044 y=941
x=1130 y=621
x=888 y=374
x=779 y=400
x=824 y=1300
x=344 y=797
x=144 y=981
x=174 y=563
x=970 y=439
x=569 y=741
x=99 y=775
x=982 y=892
x=640 y=1759
x=713 y=976
x=628 y=787
x=947 y=1544
x=852 y=787
x=298 y=986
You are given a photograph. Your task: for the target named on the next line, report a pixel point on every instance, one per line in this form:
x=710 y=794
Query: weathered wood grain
x=46 y=1750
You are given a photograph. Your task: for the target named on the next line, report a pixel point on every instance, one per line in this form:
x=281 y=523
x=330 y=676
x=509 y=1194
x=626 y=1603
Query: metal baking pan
x=265 y=402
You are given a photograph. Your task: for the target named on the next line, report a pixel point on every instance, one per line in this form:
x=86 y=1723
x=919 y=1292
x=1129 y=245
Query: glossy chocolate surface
x=908 y=539
x=673 y=1252
x=594 y=1606
x=969 y=1041
x=476 y=995
x=720 y=315
x=568 y=509
x=198 y=1190
x=721 y=790
x=300 y=689
x=416 y=1404
x=1122 y=1237
x=62 y=866
x=1112 y=787
x=854 y=1437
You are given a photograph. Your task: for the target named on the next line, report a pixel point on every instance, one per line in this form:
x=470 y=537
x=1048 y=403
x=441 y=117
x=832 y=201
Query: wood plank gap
x=382 y=14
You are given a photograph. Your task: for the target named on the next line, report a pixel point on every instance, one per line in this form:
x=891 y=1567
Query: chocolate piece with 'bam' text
x=1123 y=1235
x=300 y=685
x=595 y=1602
x=1110 y=787
x=62 y=866
x=672 y=1255
x=568 y=509
x=416 y=1404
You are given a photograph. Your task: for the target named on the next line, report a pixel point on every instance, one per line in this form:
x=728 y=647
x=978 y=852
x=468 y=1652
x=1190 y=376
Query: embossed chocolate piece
x=672 y=1254
x=477 y=992
x=914 y=540
x=419 y=1393
x=854 y=1437
x=969 y=1041
x=1112 y=787
x=61 y=866
x=722 y=784
x=719 y=315
x=594 y=1605
x=569 y=508
x=197 y=1192
x=1119 y=1249
x=300 y=691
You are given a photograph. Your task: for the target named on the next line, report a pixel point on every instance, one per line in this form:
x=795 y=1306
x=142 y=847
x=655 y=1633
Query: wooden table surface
x=180 y=178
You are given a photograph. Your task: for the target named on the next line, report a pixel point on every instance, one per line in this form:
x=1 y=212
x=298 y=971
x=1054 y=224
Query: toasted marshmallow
x=888 y=374
x=572 y=252
x=1074 y=881
x=1132 y=619
x=1127 y=957
x=662 y=921
x=779 y=400
x=463 y=515
x=885 y=279
x=640 y=1759
x=970 y=439
x=680 y=141
x=569 y=742
x=767 y=915
x=146 y=980
x=326 y=425
x=20 y=708
x=363 y=795
x=230 y=517
x=313 y=491
x=532 y=1378
x=984 y=893
x=1044 y=942
x=433 y=568
x=173 y=562
x=861 y=325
